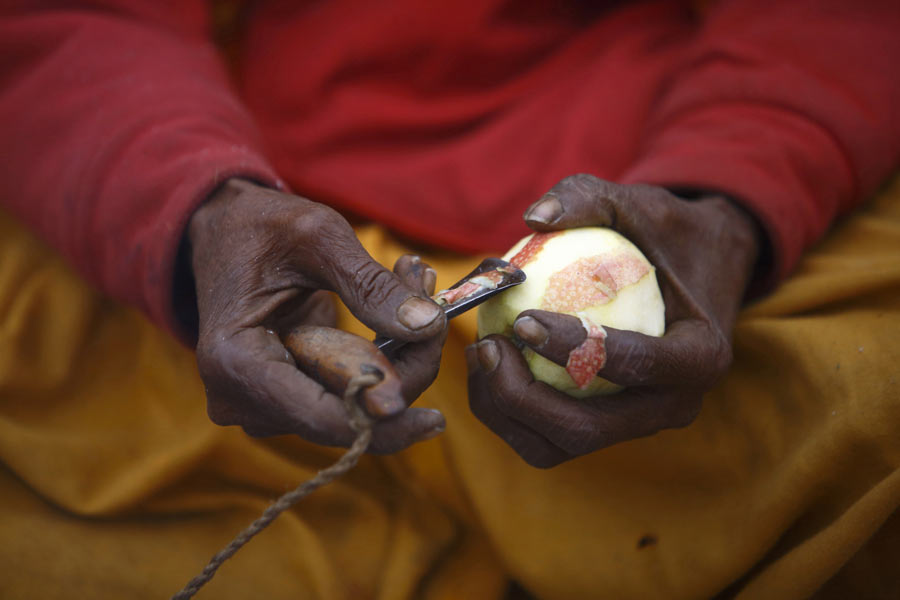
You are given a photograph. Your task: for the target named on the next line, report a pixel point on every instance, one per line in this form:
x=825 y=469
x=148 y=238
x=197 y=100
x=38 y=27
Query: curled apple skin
x=593 y=273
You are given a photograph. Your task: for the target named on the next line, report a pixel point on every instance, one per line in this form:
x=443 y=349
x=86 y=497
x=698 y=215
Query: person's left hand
x=704 y=252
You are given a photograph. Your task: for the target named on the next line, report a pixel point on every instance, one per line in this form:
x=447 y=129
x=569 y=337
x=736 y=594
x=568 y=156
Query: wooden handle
x=332 y=357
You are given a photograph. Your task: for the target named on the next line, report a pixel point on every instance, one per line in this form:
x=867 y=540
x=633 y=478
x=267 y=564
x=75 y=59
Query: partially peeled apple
x=593 y=273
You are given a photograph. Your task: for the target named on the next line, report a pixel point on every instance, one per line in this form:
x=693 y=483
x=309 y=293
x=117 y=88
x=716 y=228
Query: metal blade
x=492 y=276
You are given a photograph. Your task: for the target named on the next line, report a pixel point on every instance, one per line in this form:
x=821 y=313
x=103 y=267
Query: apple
x=593 y=273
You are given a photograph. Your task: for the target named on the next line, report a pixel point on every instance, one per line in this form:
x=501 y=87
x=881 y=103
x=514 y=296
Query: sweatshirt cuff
x=781 y=167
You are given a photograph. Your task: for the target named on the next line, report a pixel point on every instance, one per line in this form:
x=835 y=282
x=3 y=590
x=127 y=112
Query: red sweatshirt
x=442 y=120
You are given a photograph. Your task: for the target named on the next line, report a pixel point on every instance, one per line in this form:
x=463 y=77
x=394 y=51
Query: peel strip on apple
x=590 y=356
x=532 y=248
x=590 y=272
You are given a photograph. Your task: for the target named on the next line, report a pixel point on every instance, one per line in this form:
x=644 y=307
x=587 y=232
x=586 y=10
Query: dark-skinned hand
x=264 y=262
x=704 y=251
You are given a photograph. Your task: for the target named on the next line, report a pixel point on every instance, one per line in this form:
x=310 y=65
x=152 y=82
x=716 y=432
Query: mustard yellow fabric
x=114 y=484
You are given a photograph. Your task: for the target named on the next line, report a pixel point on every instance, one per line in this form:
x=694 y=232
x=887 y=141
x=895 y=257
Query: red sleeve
x=790 y=107
x=116 y=120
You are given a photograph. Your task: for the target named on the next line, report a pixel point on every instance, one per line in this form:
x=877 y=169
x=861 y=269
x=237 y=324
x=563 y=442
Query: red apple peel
x=589 y=357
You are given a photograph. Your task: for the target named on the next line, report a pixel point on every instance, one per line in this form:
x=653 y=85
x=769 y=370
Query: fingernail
x=417 y=313
x=488 y=355
x=429 y=280
x=531 y=331
x=547 y=210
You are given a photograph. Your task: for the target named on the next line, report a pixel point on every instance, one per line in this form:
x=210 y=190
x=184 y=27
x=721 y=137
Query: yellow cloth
x=115 y=485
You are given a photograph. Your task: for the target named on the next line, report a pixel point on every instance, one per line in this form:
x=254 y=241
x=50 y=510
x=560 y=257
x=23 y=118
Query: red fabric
x=115 y=121
x=441 y=120
x=791 y=107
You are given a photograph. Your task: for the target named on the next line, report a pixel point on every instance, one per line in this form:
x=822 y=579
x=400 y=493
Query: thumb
x=380 y=299
x=577 y=201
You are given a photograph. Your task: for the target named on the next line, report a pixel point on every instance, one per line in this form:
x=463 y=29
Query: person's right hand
x=262 y=261
x=704 y=251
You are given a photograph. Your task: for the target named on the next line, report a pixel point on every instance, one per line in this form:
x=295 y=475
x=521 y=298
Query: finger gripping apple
x=592 y=273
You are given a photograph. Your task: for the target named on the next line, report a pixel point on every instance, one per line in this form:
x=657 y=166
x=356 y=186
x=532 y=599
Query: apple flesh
x=592 y=273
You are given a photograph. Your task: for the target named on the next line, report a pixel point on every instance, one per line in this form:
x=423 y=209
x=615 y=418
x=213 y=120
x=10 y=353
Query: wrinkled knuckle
x=580 y=186
x=501 y=399
x=511 y=400
x=638 y=365
x=373 y=283
x=575 y=433
x=594 y=189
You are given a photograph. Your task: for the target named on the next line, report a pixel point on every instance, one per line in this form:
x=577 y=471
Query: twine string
x=360 y=422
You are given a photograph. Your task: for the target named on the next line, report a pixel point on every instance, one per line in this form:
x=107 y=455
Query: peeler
x=488 y=279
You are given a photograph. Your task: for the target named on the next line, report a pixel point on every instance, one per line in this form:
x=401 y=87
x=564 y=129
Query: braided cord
x=360 y=422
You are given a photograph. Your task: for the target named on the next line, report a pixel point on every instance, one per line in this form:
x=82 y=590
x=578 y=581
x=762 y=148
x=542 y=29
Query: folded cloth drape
x=114 y=484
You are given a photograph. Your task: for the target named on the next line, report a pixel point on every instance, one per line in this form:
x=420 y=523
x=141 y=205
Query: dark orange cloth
x=115 y=484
